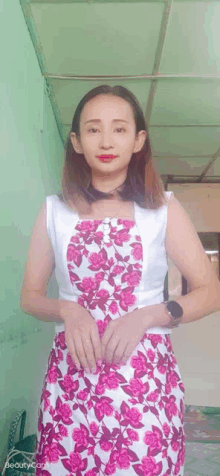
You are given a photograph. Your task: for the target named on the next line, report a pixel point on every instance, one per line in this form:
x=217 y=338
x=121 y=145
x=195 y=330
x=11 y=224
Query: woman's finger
x=105 y=339
x=119 y=352
x=72 y=350
x=79 y=345
x=111 y=347
x=89 y=352
x=96 y=344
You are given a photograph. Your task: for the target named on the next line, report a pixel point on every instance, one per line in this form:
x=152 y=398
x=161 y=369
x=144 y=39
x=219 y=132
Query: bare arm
x=38 y=269
x=185 y=250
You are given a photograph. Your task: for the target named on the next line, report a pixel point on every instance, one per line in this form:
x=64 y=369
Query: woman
x=113 y=398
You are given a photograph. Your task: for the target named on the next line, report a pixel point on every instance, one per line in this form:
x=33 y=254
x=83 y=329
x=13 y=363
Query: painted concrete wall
x=31 y=159
x=32 y=155
x=196 y=344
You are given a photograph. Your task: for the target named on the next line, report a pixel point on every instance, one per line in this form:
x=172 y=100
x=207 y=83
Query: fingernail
x=87 y=370
x=94 y=370
x=99 y=362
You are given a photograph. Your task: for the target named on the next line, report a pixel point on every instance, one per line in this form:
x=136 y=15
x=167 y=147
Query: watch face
x=175 y=309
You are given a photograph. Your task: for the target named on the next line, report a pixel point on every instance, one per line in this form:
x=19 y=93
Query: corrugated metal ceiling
x=166 y=52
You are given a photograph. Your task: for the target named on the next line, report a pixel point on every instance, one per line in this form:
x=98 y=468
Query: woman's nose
x=106 y=140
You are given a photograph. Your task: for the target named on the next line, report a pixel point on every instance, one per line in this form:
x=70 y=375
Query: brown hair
x=142 y=185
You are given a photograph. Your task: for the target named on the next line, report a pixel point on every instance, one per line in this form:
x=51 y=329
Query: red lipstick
x=106 y=158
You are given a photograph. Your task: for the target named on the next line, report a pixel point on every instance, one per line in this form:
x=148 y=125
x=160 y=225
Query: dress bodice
x=110 y=266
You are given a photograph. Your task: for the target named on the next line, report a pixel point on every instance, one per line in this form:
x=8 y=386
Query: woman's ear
x=75 y=143
x=139 y=141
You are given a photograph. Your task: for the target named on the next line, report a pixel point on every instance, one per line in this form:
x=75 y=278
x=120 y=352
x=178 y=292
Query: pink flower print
x=170 y=407
x=76 y=462
x=155 y=339
x=69 y=360
x=133 y=278
x=103 y=407
x=113 y=308
x=85 y=252
x=117 y=416
x=177 y=468
x=133 y=435
x=110 y=262
x=110 y=469
x=121 y=237
x=150 y=467
x=90 y=404
x=101 y=326
x=60 y=340
x=99 y=276
x=102 y=293
x=161 y=367
x=151 y=354
x=52 y=375
x=167 y=389
x=51 y=411
x=127 y=223
x=137 y=251
x=127 y=299
x=88 y=285
x=73 y=276
x=60 y=355
x=97 y=260
x=83 y=394
x=69 y=383
x=106 y=445
x=136 y=385
x=63 y=410
x=91 y=472
x=45 y=395
x=99 y=389
x=87 y=225
x=153 y=396
x=139 y=362
x=110 y=380
x=62 y=430
x=52 y=453
x=80 y=435
x=74 y=239
x=181 y=456
x=121 y=458
x=134 y=417
x=93 y=428
x=172 y=379
x=166 y=429
x=153 y=439
x=117 y=270
x=74 y=254
x=175 y=445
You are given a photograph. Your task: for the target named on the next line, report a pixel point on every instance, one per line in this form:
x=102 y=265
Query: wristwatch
x=175 y=311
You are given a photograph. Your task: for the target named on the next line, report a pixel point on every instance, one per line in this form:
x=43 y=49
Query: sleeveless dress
x=125 y=420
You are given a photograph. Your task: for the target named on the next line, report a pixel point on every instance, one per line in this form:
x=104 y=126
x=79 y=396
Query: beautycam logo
x=26 y=465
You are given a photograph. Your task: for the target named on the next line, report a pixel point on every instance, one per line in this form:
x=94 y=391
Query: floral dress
x=125 y=420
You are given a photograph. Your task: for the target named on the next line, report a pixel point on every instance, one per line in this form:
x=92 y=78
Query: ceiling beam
x=158 y=54
x=202 y=176
x=71 y=77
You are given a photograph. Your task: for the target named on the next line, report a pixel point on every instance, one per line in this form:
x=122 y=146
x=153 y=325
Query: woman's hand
x=121 y=336
x=81 y=335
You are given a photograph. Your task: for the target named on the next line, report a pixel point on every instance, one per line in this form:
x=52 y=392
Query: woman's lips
x=106 y=158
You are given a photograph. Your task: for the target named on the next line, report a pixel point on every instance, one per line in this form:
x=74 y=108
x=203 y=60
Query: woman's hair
x=142 y=184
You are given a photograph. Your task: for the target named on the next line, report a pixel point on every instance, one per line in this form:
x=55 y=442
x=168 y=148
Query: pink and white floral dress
x=124 y=420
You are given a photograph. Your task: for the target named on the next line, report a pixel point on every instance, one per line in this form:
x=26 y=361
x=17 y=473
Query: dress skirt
x=124 y=420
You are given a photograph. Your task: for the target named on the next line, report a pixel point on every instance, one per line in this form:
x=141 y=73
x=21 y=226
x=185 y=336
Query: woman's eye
x=119 y=128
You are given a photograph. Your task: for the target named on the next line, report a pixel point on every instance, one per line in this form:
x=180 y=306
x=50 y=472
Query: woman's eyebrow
x=99 y=120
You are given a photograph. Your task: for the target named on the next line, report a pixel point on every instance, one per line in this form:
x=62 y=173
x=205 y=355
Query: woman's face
x=107 y=127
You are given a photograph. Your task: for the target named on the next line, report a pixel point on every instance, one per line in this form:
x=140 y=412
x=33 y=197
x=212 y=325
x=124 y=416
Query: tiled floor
x=202 y=459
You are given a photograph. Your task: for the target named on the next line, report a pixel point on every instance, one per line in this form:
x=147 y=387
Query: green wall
x=31 y=163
